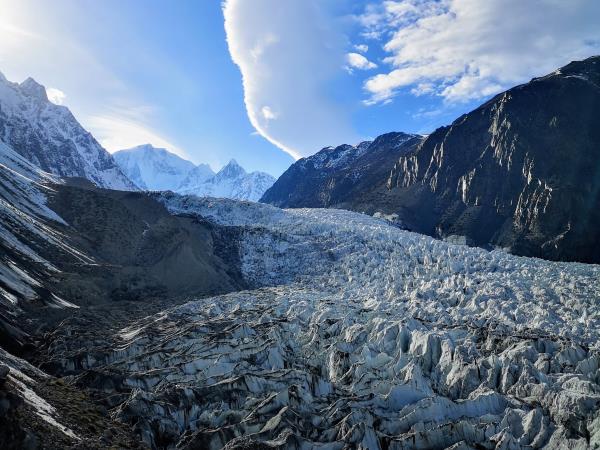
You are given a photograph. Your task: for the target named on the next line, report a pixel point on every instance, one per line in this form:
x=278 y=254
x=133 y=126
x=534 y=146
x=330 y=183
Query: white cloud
x=467 y=49
x=287 y=53
x=56 y=96
x=423 y=89
x=358 y=61
x=361 y=48
x=268 y=114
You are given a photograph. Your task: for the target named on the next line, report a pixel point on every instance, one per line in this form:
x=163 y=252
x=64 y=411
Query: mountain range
x=50 y=137
x=157 y=320
x=150 y=319
x=520 y=172
x=154 y=168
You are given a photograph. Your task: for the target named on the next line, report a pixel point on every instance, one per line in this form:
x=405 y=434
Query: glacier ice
x=359 y=334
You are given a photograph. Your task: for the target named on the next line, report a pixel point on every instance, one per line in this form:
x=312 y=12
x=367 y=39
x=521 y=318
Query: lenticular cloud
x=287 y=52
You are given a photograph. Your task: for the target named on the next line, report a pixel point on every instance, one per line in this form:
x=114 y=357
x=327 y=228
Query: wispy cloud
x=468 y=49
x=358 y=61
x=287 y=52
x=56 y=96
x=117 y=132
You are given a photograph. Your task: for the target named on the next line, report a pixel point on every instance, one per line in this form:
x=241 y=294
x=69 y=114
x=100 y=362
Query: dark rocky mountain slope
x=93 y=246
x=336 y=174
x=521 y=172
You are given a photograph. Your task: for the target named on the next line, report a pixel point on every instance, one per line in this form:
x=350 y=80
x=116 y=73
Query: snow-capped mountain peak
x=231 y=170
x=158 y=169
x=50 y=137
x=32 y=88
x=232 y=181
x=195 y=177
x=153 y=168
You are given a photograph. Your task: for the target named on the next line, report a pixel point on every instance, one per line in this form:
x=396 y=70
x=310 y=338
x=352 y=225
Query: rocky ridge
x=51 y=138
x=335 y=176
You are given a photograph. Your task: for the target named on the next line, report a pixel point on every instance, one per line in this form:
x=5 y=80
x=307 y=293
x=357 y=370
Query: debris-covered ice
x=361 y=334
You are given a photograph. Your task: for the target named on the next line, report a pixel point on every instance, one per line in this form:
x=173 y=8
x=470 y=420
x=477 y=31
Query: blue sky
x=260 y=80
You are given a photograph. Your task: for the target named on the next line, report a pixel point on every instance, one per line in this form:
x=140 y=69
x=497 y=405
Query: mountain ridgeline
x=336 y=174
x=50 y=137
x=521 y=172
x=158 y=320
x=157 y=169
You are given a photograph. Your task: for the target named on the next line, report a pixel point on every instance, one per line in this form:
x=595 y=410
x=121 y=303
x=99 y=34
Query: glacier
x=356 y=334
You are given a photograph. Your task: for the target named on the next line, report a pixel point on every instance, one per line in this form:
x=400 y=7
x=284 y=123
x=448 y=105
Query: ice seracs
x=359 y=334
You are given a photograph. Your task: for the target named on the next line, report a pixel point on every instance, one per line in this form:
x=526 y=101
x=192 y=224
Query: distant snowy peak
x=33 y=89
x=154 y=168
x=195 y=177
x=157 y=169
x=231 y=170
x=50 y=137
x=232 y=181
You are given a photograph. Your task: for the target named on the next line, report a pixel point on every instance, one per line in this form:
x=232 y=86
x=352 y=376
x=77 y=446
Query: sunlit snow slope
x=361 y=334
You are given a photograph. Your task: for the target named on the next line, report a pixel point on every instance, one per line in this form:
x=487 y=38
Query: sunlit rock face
x=360 y=335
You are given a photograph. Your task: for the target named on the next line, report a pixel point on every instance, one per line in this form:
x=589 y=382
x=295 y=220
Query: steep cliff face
x=337 y=176
x=520 y=172
x=50 y=137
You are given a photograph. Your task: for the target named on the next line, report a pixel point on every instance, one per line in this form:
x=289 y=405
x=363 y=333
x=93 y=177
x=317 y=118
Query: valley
x=406 y=292
x=338 y=329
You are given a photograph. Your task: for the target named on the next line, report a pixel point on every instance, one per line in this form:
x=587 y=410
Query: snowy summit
x=157 y=169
